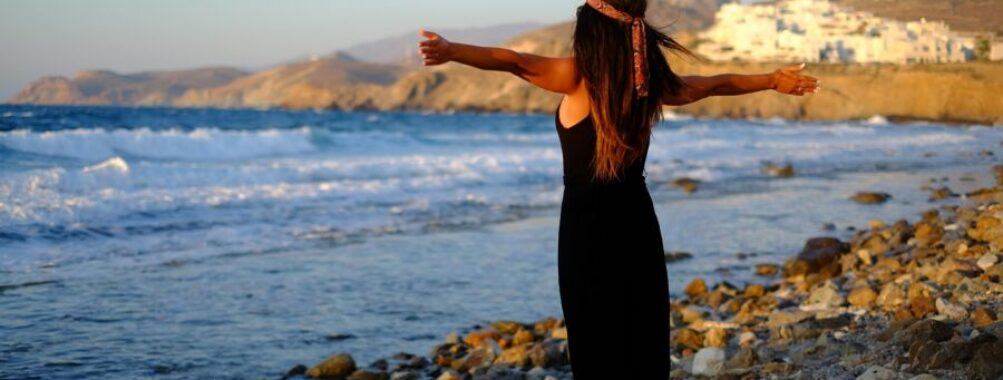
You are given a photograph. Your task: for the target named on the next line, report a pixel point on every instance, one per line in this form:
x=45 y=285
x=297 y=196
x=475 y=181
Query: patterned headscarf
x=639 y=38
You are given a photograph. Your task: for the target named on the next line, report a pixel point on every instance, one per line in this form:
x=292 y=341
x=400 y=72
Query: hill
x=963 y=15
x=403 y=49
x=99 y=87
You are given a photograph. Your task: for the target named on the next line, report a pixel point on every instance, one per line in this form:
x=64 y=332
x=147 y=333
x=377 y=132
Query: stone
x=338 y=366
x=367 y=375
x=774 y=170
x=448 y=375
x=745 y=358
x=507 y=327
x=924 y=377
x=716 y=338
x=755 y=291
x=671 y=257
x=922 y=331
x=404 y=375
x=871 y=198
x=687 y=338
x=480 y=337
x=517 y=356
x=826 y=295
x=780 y=318
x=891 y=297
x=522 y=336
x=560 y=333
x=767 y=270
x=951 y=310
x=982 y=317
x=922 y=306
x=878 y=373
x=988 y=261
x=862 y=296
x=820 y=252
x=986 y=363
x=688 y=185
x=696 y=288
x=708 y=362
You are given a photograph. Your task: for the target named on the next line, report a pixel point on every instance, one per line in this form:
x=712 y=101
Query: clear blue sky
x=44 y=37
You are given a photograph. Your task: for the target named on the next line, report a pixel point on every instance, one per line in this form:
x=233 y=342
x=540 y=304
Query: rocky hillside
x=106 y=87
x=403 y=49
x=965 y=15
x=334 y=81
x=947 y=92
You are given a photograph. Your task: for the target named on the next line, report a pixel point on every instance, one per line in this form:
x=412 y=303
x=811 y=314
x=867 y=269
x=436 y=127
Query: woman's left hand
x=791 y=81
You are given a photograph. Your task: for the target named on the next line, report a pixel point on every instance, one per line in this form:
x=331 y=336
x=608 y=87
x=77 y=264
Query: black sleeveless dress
x=611 y=268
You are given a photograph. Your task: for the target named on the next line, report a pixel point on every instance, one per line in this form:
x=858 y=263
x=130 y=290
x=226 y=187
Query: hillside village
x=822 y=31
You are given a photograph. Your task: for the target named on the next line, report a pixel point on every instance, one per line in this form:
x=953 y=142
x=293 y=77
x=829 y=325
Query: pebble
x=339 y=365
x=878 y=373
x=708 y=362
x=988 y=261
x=951 y=310
x=869 y=198
x=696 y=288
x=826 y=295
x=862 y=297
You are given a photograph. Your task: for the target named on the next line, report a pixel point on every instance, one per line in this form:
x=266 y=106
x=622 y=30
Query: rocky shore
x=909 y=300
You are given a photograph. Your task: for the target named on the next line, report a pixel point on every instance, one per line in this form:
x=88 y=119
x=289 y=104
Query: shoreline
x=674 y=113
x=916 y=299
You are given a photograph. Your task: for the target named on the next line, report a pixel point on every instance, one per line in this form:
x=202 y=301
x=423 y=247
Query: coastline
x=915 y=299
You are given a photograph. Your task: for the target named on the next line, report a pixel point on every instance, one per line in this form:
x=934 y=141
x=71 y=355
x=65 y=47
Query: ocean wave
x=197 y=144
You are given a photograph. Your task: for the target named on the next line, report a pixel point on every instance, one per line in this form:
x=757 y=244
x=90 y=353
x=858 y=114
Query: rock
x=986 y=363
x=983 y=317
x=522 y=336
x=780 y=318
x=891 y=297
x=869 y=198
x=298 y=370
x=922 y=331
x=988 y=261
x=708 y=362
x=448 y=375
x=745 y=358
x=366 y=375
x=338 y=366
x=480 y=337
x=818 y=255
x=826 y=295
x=517 y=356
x=924 y=377
x=878 y=373
x=560 y=333
x=767 y=270
x=548 y=354
x=951 y=310
x=479 y=357
x=687 y=338
x=696 y=288
x=688 y=185
x=507 y=327
x=774 y=170
x=671 y=257
x=404 y=375
x=754 y=291
x=716 y=338
x=863 y=297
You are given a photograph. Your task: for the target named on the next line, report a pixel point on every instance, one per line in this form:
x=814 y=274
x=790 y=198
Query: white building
x=820 y=31
x=996 y=51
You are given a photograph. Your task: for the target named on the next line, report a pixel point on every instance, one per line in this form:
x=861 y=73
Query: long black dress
x=611 y=268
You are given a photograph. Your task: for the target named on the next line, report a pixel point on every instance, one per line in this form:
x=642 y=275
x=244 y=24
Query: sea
x=234 y=244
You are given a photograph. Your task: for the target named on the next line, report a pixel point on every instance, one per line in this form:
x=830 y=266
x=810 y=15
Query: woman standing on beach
x=611 y=268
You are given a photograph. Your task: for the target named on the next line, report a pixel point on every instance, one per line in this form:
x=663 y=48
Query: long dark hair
x=604 y=59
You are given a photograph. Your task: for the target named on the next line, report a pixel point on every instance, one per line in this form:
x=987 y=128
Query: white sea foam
x=199 y=144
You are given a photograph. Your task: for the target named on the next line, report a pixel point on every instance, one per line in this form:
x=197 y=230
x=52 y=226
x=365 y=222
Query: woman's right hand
x=435 y=50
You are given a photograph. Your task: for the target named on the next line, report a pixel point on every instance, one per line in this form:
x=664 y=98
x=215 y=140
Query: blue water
x=181 y=243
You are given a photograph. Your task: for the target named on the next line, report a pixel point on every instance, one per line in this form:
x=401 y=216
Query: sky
x=61 y=37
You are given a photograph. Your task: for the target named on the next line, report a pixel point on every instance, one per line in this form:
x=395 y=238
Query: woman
x=611 y=269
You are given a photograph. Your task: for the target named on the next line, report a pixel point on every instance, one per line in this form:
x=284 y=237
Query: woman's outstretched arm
x=788 y=80
x=551 y=74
